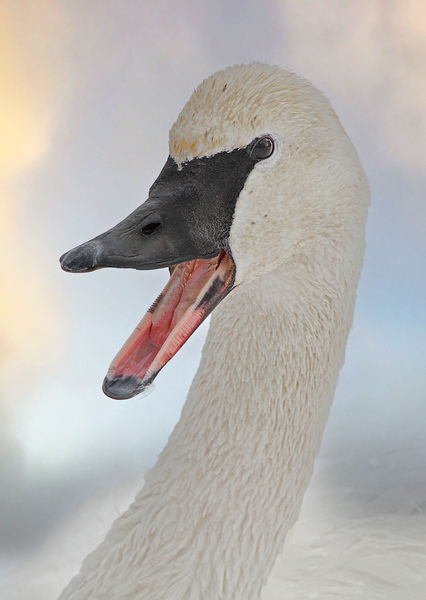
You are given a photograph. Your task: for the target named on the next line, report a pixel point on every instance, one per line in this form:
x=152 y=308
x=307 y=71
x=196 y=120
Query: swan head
x=309 y=188
x=259 y=169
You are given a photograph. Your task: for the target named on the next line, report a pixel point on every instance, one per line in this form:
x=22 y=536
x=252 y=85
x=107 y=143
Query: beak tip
x=122 y=387
x=81 y=259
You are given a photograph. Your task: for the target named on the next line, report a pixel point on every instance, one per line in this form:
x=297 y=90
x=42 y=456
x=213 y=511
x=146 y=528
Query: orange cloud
x=30 y=93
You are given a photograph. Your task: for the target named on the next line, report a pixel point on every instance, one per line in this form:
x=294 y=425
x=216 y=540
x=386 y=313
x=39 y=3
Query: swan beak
x=195 y=288
x=151 y=237
x=184 y=224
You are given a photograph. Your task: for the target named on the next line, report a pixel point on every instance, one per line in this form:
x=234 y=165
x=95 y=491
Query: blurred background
x=88 y=92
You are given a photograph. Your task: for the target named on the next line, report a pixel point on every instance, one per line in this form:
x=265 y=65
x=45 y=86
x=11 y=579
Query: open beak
x=185 y=225
x=195 y=288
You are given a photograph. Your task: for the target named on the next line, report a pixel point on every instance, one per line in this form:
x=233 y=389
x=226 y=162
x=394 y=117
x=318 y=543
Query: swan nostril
x=150 y=228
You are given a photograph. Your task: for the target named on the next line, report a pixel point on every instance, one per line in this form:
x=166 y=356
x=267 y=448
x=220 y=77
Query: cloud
x=371 y=54
x=30 y=95
x=32 y=37
x=60 y=557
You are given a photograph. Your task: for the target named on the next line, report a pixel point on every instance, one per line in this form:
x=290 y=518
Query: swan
x=259 y=212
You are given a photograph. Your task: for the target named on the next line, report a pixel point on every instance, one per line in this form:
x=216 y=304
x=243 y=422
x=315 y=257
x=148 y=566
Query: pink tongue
x=173 y=317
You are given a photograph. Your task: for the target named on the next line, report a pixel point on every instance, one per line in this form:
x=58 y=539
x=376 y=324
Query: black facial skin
x=187 y=216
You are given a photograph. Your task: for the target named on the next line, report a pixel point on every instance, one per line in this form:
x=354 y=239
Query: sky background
x=88 y=93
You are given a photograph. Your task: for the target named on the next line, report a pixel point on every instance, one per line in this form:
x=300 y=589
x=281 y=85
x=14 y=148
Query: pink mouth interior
x=193 y=291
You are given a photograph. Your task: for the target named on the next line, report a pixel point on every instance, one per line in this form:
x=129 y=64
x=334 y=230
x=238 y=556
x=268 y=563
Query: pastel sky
x=88 y=92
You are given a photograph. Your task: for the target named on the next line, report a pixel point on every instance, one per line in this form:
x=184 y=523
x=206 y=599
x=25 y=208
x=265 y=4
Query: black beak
x=188 y=216
x=149 y=238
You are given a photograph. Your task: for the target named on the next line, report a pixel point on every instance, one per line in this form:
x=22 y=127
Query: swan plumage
x=216 y=508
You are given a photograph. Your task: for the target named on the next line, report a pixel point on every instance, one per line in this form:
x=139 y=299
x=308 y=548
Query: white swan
x=216 y=508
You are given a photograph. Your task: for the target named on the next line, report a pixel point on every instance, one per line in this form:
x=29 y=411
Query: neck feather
x=216 y=508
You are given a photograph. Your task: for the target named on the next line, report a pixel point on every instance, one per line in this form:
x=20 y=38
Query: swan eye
x=262 y=148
